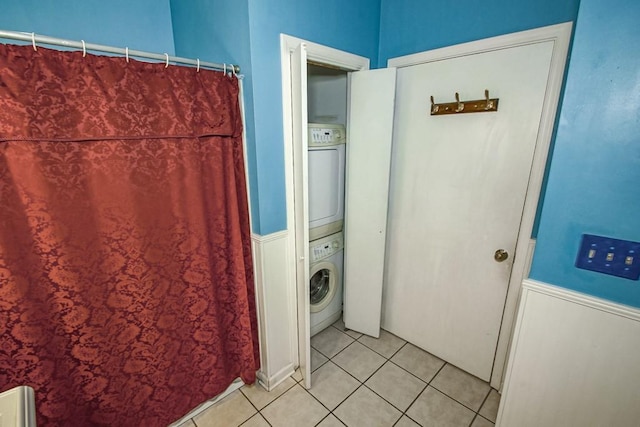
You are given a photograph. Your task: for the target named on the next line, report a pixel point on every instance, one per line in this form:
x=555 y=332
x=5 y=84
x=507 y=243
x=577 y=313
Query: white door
x=457 y=194
x=369 y=136
x=301 y=200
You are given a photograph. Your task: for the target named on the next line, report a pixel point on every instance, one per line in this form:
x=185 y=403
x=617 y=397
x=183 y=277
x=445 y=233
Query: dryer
x=326 y=261
x=326 y=167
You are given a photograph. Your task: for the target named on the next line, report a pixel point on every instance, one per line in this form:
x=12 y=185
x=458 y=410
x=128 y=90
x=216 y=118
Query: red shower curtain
x=126 y=284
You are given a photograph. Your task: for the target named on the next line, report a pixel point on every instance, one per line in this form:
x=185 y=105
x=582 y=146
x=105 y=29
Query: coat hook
x=489 y=104
x=460 y=106
x=434 y=108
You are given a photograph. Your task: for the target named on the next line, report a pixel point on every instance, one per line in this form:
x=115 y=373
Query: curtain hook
x=33 y=41
x=167 y=63
x=126 y=53
x=198 y=68
x=84 y=49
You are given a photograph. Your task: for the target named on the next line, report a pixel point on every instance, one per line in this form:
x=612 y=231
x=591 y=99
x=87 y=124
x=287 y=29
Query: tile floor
x=362 y=381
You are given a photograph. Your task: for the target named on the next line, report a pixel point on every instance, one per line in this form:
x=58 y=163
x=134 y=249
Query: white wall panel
x=574 y=362
x=275 y=295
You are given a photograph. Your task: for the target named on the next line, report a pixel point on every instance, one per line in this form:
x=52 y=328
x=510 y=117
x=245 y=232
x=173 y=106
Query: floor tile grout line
x=485 y=400
x=276 y=398
x=363 y=383
x=381 y=397
x=414 y=375
x=254 y=406
x=261 y=416
x=456 y=400
x=327 y=416
x=453 y=398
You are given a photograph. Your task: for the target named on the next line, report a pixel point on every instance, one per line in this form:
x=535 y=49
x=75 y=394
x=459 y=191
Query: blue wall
x=352 y=26
x=594 y=179
x=410 y=26
x=138 y=24
x=218 y=31
x=374 y=29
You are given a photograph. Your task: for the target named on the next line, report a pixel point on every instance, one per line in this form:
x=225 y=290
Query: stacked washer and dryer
x=326 y=167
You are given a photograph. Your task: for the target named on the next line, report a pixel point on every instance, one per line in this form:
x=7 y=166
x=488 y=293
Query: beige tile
x=386 y=345
x=406 y=422
x=481 y=422
x=261 y=397
x=295 y=408
x=489 y=408
x=256 y=421
x=461 y=386
x=433 y=408
x=396 y=385
x=417 y=361
x=317 y=359
x=365 y=408
x=330 y=342
x=330 y=421
x=233 y=410
x=359 y=361
x=339 y=325
x=297 y=375
x=331 y=385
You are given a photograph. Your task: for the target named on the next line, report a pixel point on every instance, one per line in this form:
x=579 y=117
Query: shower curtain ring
x=84 y=49
x=224 y=71
x=33 y=41
x=198 y=67
x=167 y=63
x=126 y=53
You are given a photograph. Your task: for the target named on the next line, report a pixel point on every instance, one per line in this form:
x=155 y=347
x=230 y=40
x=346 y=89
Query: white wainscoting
x=574 y=362
x=275 y=297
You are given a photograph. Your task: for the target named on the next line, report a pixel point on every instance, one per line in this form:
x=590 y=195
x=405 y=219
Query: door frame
x=560 y=34
x=323 y=55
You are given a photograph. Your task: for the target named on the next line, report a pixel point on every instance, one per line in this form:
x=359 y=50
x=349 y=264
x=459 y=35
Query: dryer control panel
x=326 y=134
x=325 y=247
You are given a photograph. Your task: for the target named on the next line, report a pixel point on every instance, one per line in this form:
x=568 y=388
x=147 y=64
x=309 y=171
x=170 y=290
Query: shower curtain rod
x=36 y=39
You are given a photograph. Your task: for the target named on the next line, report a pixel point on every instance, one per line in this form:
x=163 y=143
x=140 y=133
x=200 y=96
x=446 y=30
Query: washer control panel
x=326 y=134
x=325 y=247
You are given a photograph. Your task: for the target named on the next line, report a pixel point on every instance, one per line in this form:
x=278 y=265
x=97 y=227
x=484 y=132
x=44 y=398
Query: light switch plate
x=609 y=256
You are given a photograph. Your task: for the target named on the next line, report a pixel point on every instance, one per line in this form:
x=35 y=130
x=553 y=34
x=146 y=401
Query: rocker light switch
x=609 y=256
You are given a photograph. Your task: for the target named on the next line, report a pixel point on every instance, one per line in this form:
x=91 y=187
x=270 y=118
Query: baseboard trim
x=269 y=383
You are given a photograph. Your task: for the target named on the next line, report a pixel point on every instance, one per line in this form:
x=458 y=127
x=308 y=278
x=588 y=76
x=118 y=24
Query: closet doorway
x=375 y=129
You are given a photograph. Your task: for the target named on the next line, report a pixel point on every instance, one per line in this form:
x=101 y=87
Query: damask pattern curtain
x=126 y=284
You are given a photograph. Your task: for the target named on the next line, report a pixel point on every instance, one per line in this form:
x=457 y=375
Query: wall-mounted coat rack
x=475 y=106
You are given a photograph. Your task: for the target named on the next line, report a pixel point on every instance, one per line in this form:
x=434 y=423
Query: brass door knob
x=501 y=255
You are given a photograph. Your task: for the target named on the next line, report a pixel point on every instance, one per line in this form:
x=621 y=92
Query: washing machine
x=326 y=261
x=326 y=168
